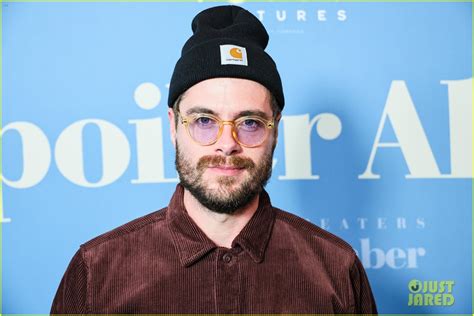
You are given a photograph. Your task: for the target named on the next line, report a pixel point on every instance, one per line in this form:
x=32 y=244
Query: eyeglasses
x=248 y=131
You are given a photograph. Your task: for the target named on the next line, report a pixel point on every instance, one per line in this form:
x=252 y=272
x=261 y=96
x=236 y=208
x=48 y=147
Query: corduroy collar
x=192 y=244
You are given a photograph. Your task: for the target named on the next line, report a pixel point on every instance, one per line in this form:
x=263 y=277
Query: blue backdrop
x=375 y=143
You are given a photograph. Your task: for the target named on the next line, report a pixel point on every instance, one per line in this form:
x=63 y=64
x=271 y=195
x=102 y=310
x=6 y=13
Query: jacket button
x=227 y=257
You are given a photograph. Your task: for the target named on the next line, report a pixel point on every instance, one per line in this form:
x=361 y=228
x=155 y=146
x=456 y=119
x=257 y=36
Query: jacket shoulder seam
x=315 y=231
x=125 y=229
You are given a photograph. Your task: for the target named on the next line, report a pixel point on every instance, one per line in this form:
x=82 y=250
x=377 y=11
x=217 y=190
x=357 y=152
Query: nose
x=226 y=144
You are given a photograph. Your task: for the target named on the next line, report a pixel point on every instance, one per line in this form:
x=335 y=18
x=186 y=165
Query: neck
x=220 y=228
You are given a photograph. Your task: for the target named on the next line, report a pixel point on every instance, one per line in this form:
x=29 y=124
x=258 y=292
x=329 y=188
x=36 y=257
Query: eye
x=250 y=122
x=250 y=125
x=204 y=122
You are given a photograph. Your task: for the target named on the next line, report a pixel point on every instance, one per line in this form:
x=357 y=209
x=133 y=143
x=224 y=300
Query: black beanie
x=227 y=41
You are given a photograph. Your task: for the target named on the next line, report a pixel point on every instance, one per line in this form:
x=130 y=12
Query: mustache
x=232 y=161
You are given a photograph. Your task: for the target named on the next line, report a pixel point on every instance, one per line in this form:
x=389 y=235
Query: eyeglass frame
x=185 y=120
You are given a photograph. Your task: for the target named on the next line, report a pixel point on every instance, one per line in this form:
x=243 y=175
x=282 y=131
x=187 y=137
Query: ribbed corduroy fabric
x=163 y=263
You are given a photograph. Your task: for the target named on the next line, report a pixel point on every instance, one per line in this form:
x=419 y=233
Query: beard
x=227 y=196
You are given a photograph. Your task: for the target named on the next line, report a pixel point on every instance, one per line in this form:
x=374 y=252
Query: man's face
x=224 y=176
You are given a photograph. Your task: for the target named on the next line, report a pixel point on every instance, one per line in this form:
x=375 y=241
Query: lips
x=226 y=170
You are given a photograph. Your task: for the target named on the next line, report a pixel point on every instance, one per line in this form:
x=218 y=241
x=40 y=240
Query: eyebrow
x=200 y=109
x=253 y=113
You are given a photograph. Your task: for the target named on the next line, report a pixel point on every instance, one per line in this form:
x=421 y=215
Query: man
x=219 y=246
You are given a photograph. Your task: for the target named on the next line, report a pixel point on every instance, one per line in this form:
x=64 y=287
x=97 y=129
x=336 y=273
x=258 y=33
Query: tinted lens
x=251 y=131
x=204 y=129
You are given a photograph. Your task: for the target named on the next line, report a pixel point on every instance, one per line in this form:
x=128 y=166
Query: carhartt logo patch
x=233 y=55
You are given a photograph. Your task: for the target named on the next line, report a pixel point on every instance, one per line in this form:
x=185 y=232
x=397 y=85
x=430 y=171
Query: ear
x=171 y=120
x=277 y=121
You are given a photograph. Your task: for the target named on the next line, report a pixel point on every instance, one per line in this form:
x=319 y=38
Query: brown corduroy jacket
x=163 y=263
